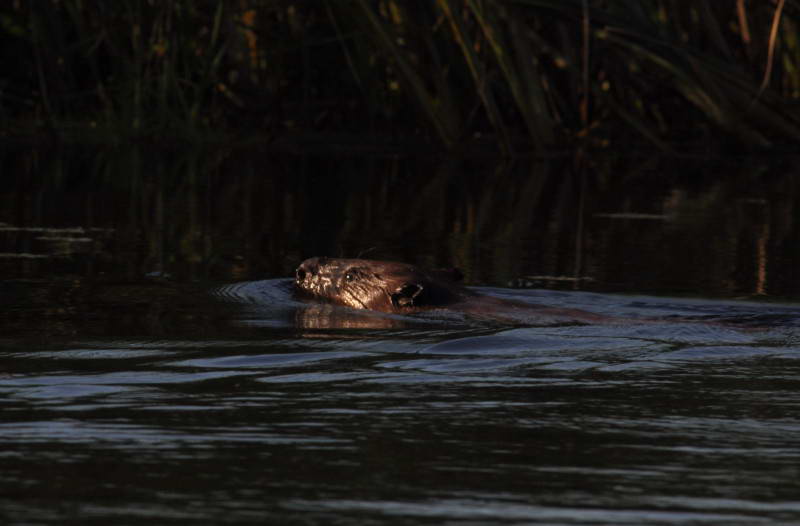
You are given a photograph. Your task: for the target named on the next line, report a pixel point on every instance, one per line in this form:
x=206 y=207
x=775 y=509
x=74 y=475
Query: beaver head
x=377 y=285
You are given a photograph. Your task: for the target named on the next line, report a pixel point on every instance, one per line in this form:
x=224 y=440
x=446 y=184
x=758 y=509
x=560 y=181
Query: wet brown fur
x=385 y=286
x=389 y=286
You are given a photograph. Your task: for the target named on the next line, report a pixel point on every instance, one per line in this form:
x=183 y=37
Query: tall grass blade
x=444 y=124
x=476 y=69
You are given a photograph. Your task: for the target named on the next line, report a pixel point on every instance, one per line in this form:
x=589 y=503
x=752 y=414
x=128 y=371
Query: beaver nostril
x=300 y=274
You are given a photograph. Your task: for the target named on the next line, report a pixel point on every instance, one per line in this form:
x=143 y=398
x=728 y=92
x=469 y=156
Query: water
x=365 y=418
x=155 y=367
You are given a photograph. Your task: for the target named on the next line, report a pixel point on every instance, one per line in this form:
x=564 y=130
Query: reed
x=517 y=75
x=669 y=72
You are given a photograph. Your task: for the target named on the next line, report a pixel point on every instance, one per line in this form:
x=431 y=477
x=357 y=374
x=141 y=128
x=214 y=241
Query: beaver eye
x=351 y=274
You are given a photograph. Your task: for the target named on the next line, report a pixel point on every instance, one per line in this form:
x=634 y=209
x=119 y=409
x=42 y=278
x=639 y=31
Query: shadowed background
x=165 y=166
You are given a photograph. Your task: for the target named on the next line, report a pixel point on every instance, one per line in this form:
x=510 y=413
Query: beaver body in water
x=400 y=288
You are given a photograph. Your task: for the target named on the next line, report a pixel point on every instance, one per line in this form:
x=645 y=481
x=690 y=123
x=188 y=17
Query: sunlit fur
x=362 y=284
x=400 y=288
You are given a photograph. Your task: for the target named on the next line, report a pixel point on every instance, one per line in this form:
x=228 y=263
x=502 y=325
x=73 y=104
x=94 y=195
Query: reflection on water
x=637 y=224
x=411 y=419
x=133 y=391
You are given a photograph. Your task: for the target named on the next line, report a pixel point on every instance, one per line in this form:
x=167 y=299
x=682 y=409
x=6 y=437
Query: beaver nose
x=308 y=267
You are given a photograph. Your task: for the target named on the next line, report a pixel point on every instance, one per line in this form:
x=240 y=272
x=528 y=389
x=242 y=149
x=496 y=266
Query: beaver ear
x=404 y=296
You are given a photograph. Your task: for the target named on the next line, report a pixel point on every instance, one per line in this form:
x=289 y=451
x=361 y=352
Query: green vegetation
x=509 y=75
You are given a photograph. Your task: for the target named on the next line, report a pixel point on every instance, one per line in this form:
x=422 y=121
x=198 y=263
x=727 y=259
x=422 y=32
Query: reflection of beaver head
x=378 y=285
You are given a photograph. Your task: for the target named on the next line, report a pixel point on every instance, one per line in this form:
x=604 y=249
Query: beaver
x=401 y=288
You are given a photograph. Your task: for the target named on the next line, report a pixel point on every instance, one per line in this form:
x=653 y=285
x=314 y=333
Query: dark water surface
x=155 y=367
